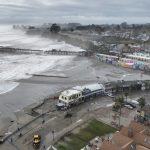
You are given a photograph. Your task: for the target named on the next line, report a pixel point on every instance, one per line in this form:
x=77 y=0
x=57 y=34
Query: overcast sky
x=82 y=11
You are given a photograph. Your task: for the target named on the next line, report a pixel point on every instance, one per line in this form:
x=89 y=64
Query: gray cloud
x=83 y=11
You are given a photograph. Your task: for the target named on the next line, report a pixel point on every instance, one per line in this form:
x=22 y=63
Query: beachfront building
x=70 y=96
x=145 y=57
x=108 y=58
x=126 y=63
x=91 y=89
x=78 y=94
x=141 y=60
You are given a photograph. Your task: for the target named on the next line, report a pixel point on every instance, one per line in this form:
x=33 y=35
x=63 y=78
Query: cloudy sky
x=83 y=11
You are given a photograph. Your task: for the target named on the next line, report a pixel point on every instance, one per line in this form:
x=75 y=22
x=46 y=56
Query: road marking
x=79 y=121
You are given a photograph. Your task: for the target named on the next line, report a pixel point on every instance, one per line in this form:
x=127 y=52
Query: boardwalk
x=41 y=52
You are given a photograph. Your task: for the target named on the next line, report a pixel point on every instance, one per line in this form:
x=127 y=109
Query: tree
x=119 y=103
x=118 y=27
x=55 y=28
x=126 y=95
x=142 y=102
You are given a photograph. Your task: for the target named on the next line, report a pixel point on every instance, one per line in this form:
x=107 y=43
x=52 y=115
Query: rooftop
x=70 y=92
x=121 y=140
x=106 y=145
x=139 y=56
x=146 y=108
x=131 y=136
x=138 y=127
x=92 y=87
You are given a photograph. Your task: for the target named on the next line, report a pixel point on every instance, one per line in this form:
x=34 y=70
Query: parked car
x=131 y=104
x=110 y=94
x=128 y=106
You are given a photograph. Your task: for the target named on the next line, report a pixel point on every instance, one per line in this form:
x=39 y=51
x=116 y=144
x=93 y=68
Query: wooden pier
x=42 y=52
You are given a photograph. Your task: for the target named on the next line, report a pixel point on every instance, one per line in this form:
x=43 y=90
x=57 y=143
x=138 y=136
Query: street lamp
x=53 y=132
x=43 y=120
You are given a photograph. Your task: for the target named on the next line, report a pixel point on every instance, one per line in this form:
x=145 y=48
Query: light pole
x=53 y=133
x=43 y=120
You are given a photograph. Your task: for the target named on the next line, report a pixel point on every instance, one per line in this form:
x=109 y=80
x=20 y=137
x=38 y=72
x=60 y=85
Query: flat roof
x=70 y=92
x=139 y=55
x=92 y=87
x=107 y=55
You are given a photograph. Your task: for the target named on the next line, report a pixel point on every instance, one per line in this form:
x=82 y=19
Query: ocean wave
x=19 y=39
x=6 y=87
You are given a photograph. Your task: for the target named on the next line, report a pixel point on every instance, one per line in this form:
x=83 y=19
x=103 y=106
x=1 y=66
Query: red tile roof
x=107 y=145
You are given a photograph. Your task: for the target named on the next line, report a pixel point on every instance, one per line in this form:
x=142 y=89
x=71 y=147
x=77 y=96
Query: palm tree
x=142 y=102
x=119 y=104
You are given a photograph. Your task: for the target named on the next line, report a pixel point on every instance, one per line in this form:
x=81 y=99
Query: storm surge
x=15 y=67
x=19 y=39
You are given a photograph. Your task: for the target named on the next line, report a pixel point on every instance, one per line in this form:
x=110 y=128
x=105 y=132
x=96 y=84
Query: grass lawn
x=77 y=141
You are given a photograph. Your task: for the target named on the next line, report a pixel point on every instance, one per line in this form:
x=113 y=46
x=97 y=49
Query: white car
x=128 y=106
x=110 y=95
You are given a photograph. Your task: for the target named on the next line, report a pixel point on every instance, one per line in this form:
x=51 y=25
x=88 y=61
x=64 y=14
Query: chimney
x=130 y=133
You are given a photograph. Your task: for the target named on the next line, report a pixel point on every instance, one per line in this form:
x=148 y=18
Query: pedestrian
x=11 y=140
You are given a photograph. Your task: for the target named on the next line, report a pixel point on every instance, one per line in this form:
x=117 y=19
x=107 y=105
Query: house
x=124 y=142
x=144 y=114
x=107 y=145
x=134 y=137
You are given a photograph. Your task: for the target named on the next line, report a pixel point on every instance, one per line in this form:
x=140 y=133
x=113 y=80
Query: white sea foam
x=14 y=67
x=18 y=39
x=7 y=86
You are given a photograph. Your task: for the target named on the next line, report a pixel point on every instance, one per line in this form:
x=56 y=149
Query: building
x=126 y=62
x=69 y=97
x=144 y=114
x=108 y=58
x=145 y=57
x=140 y=61
x=91 y=89
x=79 y=93
x=134 y=137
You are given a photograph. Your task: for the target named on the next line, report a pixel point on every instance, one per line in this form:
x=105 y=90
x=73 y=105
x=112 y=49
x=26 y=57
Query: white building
x=145 y=57
x=78 y=93
x=70 y=96
x=90 y=88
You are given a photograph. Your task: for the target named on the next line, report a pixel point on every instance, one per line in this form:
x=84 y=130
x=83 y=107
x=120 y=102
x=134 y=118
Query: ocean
x=14 y=67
